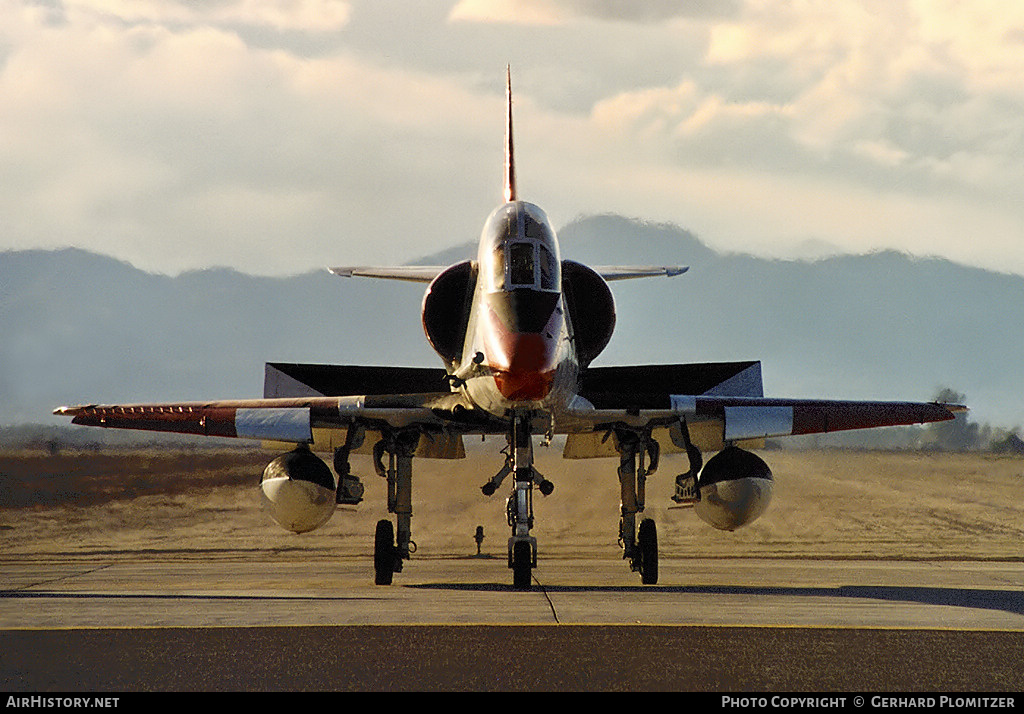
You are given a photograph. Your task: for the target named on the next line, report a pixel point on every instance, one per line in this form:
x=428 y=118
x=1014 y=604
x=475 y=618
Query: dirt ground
x=836 y=504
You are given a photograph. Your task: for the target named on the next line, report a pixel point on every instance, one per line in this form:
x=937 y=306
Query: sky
x=281 y=136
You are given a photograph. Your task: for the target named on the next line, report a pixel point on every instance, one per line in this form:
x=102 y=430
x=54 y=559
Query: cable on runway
x=548 y=598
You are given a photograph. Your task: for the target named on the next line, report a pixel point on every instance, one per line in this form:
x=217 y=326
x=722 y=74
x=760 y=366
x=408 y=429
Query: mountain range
x=78 y=327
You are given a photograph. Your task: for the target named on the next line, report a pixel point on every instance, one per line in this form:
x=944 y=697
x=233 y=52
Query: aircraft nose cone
x=530 y=371
x=524 y=386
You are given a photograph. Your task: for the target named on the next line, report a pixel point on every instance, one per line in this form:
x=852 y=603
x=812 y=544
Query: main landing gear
x=522 y=547
x=638 y=458
x=388 y=550
x=639 y=546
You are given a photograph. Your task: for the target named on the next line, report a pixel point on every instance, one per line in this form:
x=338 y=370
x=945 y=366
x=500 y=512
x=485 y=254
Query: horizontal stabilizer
x=408 y=273
x=626 y=272
x=426 y=273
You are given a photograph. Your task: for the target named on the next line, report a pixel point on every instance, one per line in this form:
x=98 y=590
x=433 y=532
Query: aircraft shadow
x=1011 y=601
x=51 y=595
x=188 y=552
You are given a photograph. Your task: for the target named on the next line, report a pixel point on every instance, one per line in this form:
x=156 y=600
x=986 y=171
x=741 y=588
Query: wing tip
x=953 y=409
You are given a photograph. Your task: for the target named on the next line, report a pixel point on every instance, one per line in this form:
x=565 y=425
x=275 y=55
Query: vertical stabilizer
x=510 y=161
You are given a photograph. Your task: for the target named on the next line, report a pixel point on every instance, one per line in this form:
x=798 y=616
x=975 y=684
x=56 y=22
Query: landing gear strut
x=635 y=446
x=389 y=552
x=522 y=547
x=687 y=487
x=350 y=488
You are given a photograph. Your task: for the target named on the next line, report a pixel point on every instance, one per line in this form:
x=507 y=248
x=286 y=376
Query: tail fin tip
x=511 y=194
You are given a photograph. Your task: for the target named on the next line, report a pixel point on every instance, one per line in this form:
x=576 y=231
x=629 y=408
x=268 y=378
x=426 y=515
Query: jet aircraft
x=517 y=329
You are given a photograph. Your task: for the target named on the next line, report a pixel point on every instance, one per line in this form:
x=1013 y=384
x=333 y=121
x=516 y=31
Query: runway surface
x=158 y=571
x=228 y=621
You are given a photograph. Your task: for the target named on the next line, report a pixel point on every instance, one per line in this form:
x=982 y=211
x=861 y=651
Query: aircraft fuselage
x=518 y=354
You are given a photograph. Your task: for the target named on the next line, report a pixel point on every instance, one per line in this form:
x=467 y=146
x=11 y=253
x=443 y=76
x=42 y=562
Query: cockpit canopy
x=518 y=249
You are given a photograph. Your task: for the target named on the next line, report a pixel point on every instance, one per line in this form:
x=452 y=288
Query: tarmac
x=271 y=621
x=871 y=573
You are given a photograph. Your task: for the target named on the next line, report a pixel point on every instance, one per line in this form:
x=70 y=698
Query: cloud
x=916 y=94
x=270 y=137
x=177 y=146
x=282 y=15
x=554 y=12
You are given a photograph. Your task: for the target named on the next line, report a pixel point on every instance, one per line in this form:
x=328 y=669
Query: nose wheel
x=523 y=560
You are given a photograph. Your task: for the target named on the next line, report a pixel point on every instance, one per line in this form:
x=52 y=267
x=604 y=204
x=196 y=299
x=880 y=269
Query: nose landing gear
x=522 y=546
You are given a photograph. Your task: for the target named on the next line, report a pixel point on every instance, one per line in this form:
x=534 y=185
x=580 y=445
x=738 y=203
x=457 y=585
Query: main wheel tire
x=522 y=564
x=384 y=553
x=648 y=544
